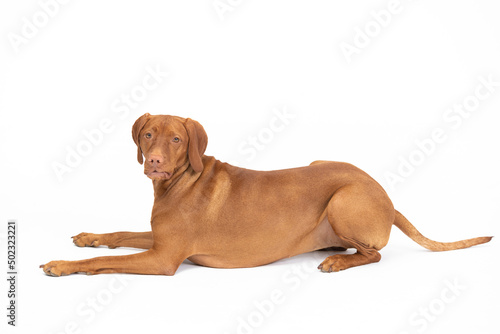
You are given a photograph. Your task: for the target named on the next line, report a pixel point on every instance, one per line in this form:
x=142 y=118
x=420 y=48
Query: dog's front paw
x=90 y=240
x=57 y=268
x=86 y=240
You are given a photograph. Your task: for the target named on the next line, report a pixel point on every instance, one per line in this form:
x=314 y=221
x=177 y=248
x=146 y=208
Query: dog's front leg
x=151 y=262
x=142 y=240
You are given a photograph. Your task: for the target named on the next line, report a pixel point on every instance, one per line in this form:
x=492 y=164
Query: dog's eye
x=148 y=135
x=176 y=140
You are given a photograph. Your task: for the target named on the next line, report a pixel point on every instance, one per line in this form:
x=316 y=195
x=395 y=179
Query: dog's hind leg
x=361 y=215
x=364 y=255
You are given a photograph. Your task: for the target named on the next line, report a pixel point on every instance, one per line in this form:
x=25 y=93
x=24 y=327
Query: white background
x=230 y=72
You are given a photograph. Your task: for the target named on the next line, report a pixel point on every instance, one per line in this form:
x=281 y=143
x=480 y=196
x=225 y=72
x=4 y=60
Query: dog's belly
x=257 y=254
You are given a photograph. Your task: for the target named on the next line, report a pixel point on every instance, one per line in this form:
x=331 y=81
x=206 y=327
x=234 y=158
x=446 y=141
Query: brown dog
x=218 y=215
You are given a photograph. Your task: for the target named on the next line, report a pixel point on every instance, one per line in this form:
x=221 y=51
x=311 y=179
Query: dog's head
x=167 y=143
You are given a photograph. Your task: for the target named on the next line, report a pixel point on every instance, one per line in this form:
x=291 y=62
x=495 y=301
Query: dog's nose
x=156 y=160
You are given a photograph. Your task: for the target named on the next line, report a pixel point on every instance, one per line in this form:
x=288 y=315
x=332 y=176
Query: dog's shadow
x=310 y=259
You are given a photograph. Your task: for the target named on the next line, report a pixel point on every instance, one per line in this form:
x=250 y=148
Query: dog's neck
x=161 y=187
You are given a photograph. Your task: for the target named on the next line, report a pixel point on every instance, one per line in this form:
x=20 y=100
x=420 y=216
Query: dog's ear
x=197 y=145
x=136 y=130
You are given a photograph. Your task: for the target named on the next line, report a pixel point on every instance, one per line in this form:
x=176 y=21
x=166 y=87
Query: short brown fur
x=218 y=215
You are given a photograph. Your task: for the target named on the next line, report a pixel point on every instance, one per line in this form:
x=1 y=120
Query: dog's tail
x=407 y=228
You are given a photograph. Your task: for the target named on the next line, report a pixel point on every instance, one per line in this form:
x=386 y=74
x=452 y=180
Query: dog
x=218 y=215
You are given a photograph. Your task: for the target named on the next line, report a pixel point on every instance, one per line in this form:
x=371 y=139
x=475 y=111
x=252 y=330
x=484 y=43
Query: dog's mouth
x=156 y=175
